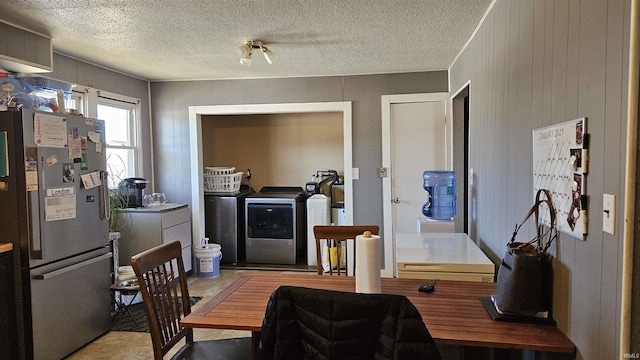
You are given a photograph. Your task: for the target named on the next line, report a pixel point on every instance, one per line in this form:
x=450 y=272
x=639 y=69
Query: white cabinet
x=145 y=228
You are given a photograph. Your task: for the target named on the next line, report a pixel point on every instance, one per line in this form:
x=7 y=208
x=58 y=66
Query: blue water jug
x=441 y=189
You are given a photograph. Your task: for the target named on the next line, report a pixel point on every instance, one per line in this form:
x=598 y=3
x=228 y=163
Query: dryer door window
x=271 y=221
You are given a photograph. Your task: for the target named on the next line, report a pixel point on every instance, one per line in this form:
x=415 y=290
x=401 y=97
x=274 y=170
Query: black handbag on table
x=525 y=276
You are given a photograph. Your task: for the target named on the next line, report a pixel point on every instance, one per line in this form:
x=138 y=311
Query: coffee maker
x=131 y=190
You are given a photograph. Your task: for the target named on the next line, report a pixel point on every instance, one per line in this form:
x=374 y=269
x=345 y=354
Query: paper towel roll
x=368 y=263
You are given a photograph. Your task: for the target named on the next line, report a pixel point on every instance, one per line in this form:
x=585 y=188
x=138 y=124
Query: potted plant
x=117 y=201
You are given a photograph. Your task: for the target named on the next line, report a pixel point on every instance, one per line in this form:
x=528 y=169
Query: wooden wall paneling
x=182 y=128
x=494 y=121
x=290 y=90
x=479 y=128
x=547 y=70
x=64 y=68
x=559 y=61
x=566 y=245
x=217 y=93
x=176 y=165
x=614 y=148
x=522 y=114
x=256 y=91
x=161 y=133
x=83 y=73
x=201 y=92
x=576 y=67
x=511 y=146
x=558 y=114
x=538 y=63
x=326 y=88
x=478 y=103
x=366 y=109
x=589 y=267
x=499 y=122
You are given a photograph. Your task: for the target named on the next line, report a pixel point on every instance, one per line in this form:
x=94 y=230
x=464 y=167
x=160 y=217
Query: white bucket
x=208 y=260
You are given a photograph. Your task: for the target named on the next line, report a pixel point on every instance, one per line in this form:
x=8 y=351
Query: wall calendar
x=560 y=164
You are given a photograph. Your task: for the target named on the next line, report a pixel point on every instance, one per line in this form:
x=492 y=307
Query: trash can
x=208 y=258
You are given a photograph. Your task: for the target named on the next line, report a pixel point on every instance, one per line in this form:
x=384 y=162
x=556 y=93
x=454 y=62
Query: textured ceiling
x=199 y=39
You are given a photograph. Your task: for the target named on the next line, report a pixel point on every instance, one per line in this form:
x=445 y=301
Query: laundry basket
x=222 y=180
x=219 y=170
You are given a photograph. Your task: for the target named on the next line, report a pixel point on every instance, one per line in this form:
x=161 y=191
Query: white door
x=415 y=139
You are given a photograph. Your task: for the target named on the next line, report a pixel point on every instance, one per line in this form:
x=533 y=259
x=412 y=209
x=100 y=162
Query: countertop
x=155 y=208
x=446 y=249
x=4 y=247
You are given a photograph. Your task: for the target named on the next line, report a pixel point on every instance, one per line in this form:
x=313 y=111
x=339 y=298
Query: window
x=121 y=131
x=75 y=101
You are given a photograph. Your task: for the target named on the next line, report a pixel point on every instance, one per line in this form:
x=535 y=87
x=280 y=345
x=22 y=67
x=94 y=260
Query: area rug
x=137 y=322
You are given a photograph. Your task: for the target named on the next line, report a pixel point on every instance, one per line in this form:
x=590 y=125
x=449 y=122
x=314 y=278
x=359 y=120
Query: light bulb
x=268 y=55
x=245 y=54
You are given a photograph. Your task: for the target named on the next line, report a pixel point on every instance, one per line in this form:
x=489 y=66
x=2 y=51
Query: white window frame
x=79 y=97
x=93 y=97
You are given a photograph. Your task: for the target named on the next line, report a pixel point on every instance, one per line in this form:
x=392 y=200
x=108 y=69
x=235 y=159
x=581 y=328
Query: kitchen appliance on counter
x=224 y=222
x=131 y=190
x=54 y=211
x=275 y=225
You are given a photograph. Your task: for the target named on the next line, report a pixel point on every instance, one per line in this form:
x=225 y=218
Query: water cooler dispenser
x=440 y=208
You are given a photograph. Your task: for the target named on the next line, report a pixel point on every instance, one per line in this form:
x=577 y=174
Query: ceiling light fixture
x=246 y=50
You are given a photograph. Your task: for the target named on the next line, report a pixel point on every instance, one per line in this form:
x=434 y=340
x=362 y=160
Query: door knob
x=396 y=200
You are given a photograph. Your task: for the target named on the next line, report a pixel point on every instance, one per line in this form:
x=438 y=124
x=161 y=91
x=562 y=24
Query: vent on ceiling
x=24 y=51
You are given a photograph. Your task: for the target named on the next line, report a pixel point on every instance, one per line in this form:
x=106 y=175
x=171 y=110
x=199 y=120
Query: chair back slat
x=339 y=233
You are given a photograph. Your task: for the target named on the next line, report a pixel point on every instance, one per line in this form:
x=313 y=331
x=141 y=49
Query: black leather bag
x=525 y=276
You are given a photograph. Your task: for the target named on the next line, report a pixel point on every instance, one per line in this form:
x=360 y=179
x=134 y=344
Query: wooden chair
x=163 y=284
x=339 y=234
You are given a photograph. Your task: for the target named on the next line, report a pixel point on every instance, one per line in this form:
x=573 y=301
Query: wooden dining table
x=452 y=313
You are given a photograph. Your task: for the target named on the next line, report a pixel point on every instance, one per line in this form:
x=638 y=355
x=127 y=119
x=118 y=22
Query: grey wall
x=171 y=122
x=635 y=305
x=532 y=64
x=82 y=73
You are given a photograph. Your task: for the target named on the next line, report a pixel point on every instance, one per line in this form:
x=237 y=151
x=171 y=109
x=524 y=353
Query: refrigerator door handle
x=35 y=237
x=64 y=270
x=104 y=196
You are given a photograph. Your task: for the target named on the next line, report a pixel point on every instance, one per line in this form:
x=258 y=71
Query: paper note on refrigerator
x=91 y=180
x=75 y=147
x=49 y=131
x=60 y=204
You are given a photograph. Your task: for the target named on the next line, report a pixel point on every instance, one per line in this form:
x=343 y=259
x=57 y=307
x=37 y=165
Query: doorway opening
x=196 y=148
x=460 y=105
x=427 y=134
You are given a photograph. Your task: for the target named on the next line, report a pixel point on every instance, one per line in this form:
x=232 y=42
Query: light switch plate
x=355 y=173
x=609 y=213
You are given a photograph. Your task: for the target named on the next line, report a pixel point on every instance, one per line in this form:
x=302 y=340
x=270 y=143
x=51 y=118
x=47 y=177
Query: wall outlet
x=609 y=213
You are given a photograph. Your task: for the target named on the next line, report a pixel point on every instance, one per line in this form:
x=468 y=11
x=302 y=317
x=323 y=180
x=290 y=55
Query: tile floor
x=137 y=346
